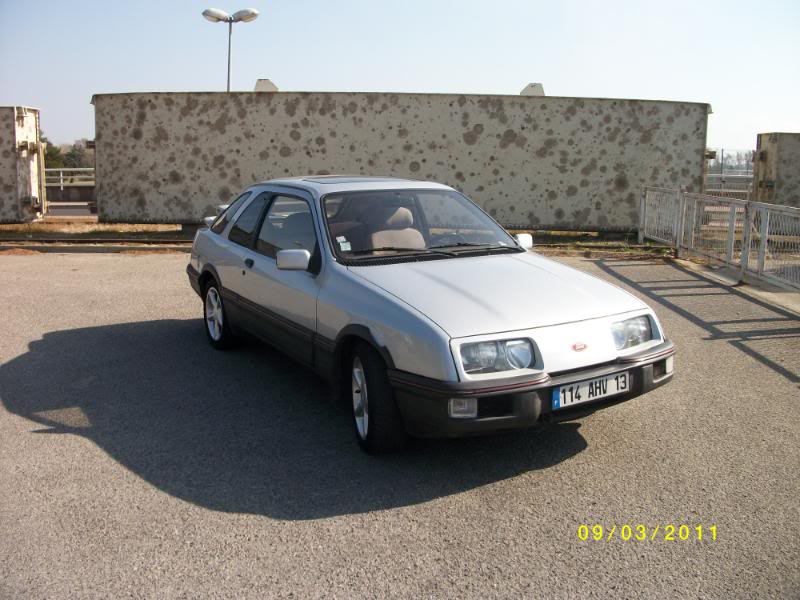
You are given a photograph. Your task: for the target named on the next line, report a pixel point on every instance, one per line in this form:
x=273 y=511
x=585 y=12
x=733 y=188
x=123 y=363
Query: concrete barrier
x=531 y=161
x=776 y=178
x=21 y=187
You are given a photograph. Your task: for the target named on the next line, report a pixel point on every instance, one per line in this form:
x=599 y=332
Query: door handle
x=248 y=263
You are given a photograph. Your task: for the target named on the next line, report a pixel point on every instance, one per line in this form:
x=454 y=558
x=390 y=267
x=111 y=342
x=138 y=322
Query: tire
x=377 y=421
x=215 y=319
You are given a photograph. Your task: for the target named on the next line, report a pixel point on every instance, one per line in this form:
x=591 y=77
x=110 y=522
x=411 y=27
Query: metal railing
x=729 y=186
x=659 y=220
x=69 y=177
x=761 y=240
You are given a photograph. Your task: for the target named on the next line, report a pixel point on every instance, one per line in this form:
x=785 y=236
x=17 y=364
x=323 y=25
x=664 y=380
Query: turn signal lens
x=463 y=408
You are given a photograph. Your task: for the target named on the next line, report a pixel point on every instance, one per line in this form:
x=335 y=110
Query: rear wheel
x=217 y=327
x=378 y=424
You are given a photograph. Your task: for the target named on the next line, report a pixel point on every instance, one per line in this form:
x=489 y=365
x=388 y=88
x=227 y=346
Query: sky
x=742 y=57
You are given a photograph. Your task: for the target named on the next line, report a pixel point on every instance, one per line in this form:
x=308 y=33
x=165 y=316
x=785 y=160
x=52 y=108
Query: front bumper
x=517 y=402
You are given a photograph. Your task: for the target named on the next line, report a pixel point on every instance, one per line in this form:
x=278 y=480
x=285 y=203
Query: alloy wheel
x=214 y=314
x=360 y=398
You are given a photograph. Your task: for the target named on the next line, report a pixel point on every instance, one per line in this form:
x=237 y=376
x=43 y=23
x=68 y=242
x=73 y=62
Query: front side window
x=288 y=225
x=222 y=221
x=244 y=227
x=361 y=224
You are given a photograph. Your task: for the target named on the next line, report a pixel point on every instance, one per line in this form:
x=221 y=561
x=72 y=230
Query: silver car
x=420 y=309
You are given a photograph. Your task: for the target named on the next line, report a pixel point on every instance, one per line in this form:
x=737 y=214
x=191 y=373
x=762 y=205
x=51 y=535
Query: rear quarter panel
x=215 y=251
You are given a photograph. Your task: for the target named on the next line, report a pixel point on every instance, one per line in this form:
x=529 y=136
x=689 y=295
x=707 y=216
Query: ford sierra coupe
x=420 y=309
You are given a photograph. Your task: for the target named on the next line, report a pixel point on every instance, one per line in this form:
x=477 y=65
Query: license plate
x=591 y=389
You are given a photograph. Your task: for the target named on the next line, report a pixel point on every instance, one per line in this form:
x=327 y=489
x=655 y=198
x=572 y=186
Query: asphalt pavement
x=136 y=461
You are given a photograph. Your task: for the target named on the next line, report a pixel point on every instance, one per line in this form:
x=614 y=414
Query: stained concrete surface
x=776 y=176
x=136 y=461
x=19 y=167
x=531 y=162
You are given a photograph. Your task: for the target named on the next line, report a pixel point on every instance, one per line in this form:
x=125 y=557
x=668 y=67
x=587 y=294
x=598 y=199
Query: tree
x=74 y=157
x=53 y=158
x=77 y=156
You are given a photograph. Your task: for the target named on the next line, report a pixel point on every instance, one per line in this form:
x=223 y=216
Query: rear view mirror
x=209 y=221
x=293 y=260
x=525 y=240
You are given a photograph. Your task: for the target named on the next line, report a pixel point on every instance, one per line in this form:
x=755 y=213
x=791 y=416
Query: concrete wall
x=18 y=168
x=776 y=177
x=530 y=161
x=9 y=204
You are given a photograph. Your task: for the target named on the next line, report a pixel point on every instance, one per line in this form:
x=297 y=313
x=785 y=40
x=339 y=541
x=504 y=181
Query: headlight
x=519 y=353
x=631 y=332
x=492 y=357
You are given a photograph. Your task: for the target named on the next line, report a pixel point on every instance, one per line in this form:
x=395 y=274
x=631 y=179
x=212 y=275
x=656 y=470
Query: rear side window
x=222 y=221
x=244 y=227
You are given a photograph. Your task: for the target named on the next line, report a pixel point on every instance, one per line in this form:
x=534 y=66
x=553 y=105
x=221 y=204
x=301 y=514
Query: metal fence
x=761 y=240
x=69 y=177
x=729 y=186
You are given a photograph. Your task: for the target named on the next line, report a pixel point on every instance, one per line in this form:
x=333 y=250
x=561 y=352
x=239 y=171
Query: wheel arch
x=208 y=273
x=343 y=346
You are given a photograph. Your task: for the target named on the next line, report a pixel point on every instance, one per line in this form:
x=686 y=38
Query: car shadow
x=765 y=332
x=243 y=431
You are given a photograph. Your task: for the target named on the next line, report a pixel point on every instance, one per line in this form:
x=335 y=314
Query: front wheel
x=217 y=327
x=378 y=424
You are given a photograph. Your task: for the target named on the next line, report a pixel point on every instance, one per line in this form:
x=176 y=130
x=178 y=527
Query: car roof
x=325 y=184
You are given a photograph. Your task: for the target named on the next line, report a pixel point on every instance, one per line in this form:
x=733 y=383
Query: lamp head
x=216 y=15
x=245 y=15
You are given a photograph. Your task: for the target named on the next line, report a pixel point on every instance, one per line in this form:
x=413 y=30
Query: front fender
x=409 y=341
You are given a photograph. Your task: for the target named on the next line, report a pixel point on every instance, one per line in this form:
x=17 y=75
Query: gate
x=70 y=192
x=761 y=240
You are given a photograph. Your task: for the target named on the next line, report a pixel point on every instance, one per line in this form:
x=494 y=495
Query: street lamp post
x=216 y=15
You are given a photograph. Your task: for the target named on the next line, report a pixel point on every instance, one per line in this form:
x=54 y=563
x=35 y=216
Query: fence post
x=642 y=216
x=693 y=216
x=676 y=220
x=61 y=179
x=763 y=232
x=681 y=221
x=745 y=256
x=731 y=235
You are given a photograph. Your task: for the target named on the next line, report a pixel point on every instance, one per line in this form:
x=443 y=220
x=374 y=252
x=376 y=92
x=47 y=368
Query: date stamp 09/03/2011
x=647 y=533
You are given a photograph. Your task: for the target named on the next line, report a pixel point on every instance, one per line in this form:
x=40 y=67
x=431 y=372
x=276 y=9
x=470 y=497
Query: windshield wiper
x=484 y=245
x=398 y=249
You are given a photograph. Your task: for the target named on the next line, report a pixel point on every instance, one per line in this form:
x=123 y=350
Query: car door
x=238 y=256
x=221 y=254
x=286 y=301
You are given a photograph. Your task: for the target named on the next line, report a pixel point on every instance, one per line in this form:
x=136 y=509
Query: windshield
x=364 y=224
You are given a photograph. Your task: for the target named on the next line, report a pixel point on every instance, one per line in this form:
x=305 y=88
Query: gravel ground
x=136 y=461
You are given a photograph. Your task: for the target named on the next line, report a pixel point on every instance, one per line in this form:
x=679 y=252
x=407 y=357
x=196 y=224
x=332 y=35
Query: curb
x=59 y=248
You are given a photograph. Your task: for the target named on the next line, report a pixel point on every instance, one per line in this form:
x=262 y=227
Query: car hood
x=500 y=292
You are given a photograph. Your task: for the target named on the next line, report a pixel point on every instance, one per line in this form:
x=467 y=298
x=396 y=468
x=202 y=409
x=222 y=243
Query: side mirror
x=209 y=221
x=293 y=260
x=525 y=240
